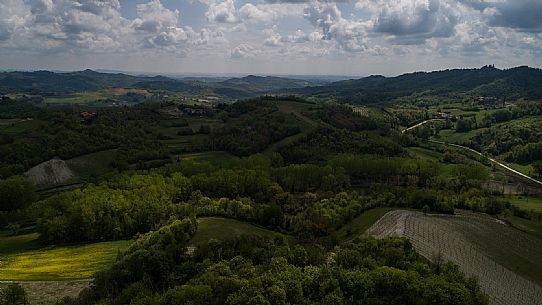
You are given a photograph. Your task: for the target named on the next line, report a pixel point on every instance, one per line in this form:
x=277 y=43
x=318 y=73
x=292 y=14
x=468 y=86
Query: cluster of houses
x=197 y=110
x=202 y=106
x=485 y=100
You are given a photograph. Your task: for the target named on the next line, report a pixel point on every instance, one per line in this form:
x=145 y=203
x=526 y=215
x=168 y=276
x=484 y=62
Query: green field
x=91 y=97
x=424 y=153
x=360 y=224
x=196 y=122
x=446 y=170
x=17 y=243
x=22 y=258
x=224 y=229
x=527 y=203
x=528 y=226
x=214 y=157
x=16 y=126
x=454 y=109
x=451 y=136
x=524 y=169
x=77 y=98
x=169 y=129
x=92 y=165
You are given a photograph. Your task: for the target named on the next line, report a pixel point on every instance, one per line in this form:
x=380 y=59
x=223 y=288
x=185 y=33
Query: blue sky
x=348 y=37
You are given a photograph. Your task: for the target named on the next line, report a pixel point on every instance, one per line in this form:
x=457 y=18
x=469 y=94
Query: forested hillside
x=41 y=82
x=54 y=83
x=515 y=83
x=460 y=84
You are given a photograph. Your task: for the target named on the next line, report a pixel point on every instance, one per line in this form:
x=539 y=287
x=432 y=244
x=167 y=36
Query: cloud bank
x=245 y=32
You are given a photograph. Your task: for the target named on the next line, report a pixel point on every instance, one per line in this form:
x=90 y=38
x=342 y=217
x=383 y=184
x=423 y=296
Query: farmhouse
x=87 y=115
x=443 y=115
x=485 y=100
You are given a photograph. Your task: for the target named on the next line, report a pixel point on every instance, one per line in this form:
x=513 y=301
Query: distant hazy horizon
x=269 y=37
x=210 y=75
x=188 y=74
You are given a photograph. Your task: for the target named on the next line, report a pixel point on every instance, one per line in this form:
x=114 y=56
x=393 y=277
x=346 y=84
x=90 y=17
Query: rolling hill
x=46 y=82
x=509 y=84
x=53 y=83
x=520 y=82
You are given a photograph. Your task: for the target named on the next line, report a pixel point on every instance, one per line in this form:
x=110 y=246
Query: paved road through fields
x=506 y=167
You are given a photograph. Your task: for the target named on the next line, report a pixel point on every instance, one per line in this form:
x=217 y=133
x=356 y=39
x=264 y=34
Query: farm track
x=469 y=240
x=420 y=124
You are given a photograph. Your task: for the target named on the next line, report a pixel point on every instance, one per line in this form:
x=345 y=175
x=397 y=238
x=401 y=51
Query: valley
x=247 y=189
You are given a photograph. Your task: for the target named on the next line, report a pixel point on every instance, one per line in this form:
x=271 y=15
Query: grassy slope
x=360 y=224
x=17 y=243
x=306 y=124
x=431 y=155
x=526 y=169
x=92 y=165
x=214 y=157
x=88 y=97
x=424 y=153
x=22 y=258
x=173 y=140
x=84 y=97
x=533 y=228
x=224 y=228
x=17 y=126
x=451 y=136
x=527 y=203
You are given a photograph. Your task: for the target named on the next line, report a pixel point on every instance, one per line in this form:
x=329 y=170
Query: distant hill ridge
x=519 y=82
x=68 y=82
x=46 y=82
x=488 y=81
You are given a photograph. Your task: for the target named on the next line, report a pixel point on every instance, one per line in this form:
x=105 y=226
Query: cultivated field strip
x=49 y=292
x=456 y=239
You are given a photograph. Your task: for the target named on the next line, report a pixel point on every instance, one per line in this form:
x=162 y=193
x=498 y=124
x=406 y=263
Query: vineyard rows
x=450 y=238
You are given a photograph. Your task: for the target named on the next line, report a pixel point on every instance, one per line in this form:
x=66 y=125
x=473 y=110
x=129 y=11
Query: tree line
x=306 y=200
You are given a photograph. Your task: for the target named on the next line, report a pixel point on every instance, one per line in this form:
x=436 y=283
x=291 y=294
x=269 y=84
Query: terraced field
x=506 y=260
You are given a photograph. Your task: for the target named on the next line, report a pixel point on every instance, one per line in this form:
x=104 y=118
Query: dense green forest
x=265 y=271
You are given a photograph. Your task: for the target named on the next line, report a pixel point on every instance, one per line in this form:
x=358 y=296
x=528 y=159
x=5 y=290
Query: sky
x=320 y=37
